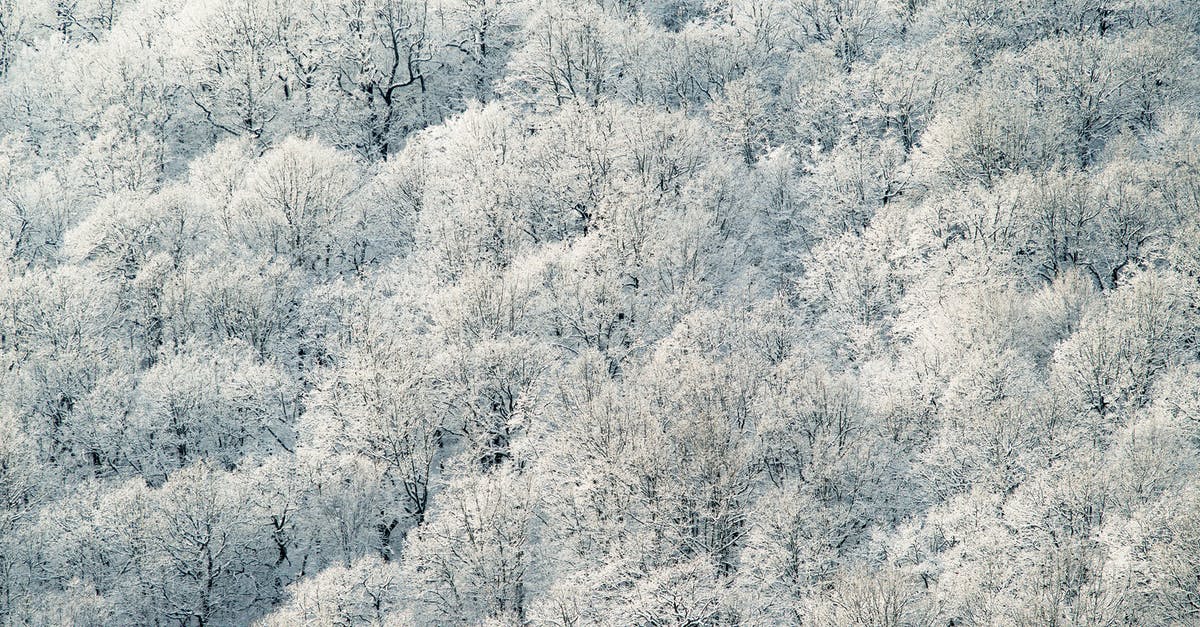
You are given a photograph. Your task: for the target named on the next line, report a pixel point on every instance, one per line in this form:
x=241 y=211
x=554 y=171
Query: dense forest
x=600 y=312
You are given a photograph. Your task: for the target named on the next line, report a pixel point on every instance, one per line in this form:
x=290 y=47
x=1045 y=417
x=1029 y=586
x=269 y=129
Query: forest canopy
x=600 y=312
